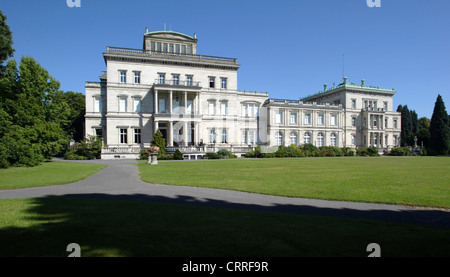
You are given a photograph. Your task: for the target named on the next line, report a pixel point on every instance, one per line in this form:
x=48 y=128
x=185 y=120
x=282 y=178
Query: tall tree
x=439 y=129
x=30 y=115
x=6 y=41
x=423 y=134
x=407 y=125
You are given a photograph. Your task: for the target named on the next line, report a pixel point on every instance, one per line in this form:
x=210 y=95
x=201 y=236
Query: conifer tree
x=439 y=129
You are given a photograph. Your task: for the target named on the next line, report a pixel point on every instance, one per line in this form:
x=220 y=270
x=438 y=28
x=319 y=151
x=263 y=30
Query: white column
x=185 y=133
x=170 y=135
x=170 y=102
x=185 y=101
x=156 y=101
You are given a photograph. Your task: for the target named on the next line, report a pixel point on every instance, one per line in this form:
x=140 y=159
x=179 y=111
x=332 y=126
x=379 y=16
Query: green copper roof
x=345 y=84
x=169 y=32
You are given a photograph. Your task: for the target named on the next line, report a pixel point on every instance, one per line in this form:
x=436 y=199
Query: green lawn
x=47 y=174
x=420 y=181
x=45 y=226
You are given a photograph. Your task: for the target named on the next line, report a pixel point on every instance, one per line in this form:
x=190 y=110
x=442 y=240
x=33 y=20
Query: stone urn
x=153 y=159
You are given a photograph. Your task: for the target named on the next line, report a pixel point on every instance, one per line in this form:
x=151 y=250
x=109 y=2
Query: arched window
x=279 y=138
x=307 y=137
x=293 y=138
x=333 y=139
x=320 y=140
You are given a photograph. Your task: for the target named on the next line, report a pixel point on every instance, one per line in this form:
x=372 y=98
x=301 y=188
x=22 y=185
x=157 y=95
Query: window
x=183 y=49
x=279 y=138
x=224 y=136
x=385 y=106
x=137 y=104
x=158 y=47
x=308 y=118
x=152 y=46
x=293 y=138
x=333 y=139
x=354 y=121
x=176 y=80
x=223 y=82
x=99 y=133
x=162 y=105
x=189 y=80
x=212 y=107
x=250 y=110
x=189 y=49
x=353 y=103
x=251 y=137
x=123 y=76
x=165 y=47
x=395 y=124
x=245 y=137
x=386 y=139
x=375 y=121
x=293 y=118
x=189 y=107
x=386 y=123
x=171 y=48
x=97 y=105
x=137 y=136
x=353 y=139
x=124 y=136
x=212 y=136
x=333 y=120
x=320 y=140
x=212 y=82
x=177 y=48
x=137 y=77
x=320 y=119
x=279 y=117
x=307 y=138
x=123 y=104
x=162 y=78
x=223 y=107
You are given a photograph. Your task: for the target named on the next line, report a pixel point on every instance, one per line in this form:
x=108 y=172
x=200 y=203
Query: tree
x=6 y=42
x=439 y=130
x=30 y=116
x=423 y=134
x=407 y=125
x=160 y=141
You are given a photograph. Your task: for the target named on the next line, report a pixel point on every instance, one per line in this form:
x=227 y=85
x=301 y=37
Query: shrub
x=212 y=156
x=178 y=155
x=331 y=151
x=400 y=151
x=226 y=154
x=88 y=149
x=165 y=157
x=144 y=153
x=310 y=150
x=348 y=151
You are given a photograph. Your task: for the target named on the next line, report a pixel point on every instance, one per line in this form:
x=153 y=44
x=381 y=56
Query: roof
x=345 y=84
x=170 y=32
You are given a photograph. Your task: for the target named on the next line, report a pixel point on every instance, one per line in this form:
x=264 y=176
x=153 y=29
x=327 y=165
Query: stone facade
x=195 y=102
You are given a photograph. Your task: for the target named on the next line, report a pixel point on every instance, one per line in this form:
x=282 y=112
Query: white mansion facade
x=195 y=102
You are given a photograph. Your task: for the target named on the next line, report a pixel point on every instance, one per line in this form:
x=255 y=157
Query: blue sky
x=289 y=48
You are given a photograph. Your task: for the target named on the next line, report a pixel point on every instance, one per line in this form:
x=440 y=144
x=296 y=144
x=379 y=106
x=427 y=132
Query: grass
x=45 y=226
x=416 y=181
x=47 y=174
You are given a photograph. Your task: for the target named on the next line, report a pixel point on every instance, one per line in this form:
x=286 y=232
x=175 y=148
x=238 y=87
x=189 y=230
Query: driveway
x=120 y=180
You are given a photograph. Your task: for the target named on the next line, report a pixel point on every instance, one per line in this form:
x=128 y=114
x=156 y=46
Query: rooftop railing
x=169 y=55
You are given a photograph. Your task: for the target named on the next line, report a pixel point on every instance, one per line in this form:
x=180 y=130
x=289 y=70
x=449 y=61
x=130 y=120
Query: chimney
x=325 y=87
x=146 y=29
x=345 y=80
x=195 y=36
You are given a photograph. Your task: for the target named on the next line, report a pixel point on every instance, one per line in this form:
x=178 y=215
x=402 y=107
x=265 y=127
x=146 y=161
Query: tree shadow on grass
x=156 y=226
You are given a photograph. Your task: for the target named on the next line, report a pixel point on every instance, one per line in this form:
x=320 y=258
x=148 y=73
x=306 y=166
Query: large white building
x=194 y=101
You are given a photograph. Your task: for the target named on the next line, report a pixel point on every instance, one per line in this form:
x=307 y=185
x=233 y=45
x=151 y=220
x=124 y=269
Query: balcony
x=175 y=82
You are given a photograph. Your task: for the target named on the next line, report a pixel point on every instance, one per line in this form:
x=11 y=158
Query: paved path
x=120 y=180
